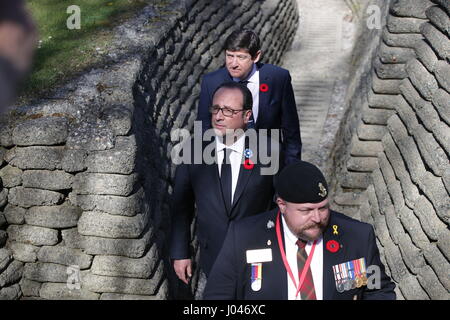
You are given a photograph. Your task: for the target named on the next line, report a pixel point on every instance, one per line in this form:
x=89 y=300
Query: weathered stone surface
x=64 y=216
x=119 y=160
x=30 y=288
x=118 y=296
x=411 y=288
x=355 y=180
x=442 y=72
x=424 y=210
x=392 y=184
x=45 y=272
x=395 y=262
x=14 y=215
x=117 y=205
x=42 y=131
x=385 y=86
x=426 y=55
x=390 y=71
x=410 y=191
x=91 y=137
x=424 y=110
x=132 y=248
x=412 y=256
x=404 y=25
x=437 y=39
x=2 y=155
x=101 y=183
x=64 y=256
x=10 y=293
x=413 y=227
x=119 y=119
x=5 y=258
x=376 y=116
x=73 y=160
x=422 y=80
x=11 y=176
x=115 y=266
x=411 y=8
x=48 y=180
x=28 y=197
x=431 y=284
x=362 y=164
x=441 y=100
x=3 y=197
x=389 y=54
x=23 y=252
x=439 y=264
x=365 y=148
x=47 y=158
x=439 y=19
x=2 y=220
x=58 y=291
x=383 y=101
x=3 y=237
x=33 y=235
x=434 y=189
x=443 y=241
x=434 y=156
x=12 y=274
x=444 y=5
x=98 y=283
x=100 y=224
x=406 y=40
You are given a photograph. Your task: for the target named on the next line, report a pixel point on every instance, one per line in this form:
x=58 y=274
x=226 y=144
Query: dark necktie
x=251 y=123
x=225 y=177
x=307 y=290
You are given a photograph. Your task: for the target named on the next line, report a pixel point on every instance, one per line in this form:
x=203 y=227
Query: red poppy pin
x=248 y=164
x=332 y=246
x=264 y=87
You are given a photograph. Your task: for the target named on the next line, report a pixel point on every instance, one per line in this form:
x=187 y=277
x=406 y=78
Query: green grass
x=62 y=52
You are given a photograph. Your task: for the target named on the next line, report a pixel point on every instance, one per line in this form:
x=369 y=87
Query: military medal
x=351 y=272
x=256 y=277
x=337 y=279
x=347 y=280
x=358 y=273
x=363 y=271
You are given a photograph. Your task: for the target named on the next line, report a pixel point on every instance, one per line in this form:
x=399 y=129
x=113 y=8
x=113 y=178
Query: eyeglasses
x=227 y=112
x=240 y=57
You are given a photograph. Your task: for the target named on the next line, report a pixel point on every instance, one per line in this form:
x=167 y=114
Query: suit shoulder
x=275 y=69
x=214 y=74
x=254 y=222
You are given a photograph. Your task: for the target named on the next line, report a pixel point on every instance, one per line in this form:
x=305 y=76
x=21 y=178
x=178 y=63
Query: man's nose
x=315 y=216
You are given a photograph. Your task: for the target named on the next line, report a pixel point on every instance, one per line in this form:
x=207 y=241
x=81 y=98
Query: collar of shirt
x=251 y=77
x=291 y=248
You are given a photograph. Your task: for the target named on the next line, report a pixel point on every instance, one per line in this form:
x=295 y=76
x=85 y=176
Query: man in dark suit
x=299 y=251
x=274 y=104
x=227 y=189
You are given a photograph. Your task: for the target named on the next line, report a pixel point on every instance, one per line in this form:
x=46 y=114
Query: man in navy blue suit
x=222 y=190
x=300 y=251
x=274 y=104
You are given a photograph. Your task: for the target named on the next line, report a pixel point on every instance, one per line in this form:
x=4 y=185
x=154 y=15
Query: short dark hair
x=246 y=93
x=244 y=39
x=15 y=11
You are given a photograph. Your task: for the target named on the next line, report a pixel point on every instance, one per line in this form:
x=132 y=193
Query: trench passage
x=318 y=61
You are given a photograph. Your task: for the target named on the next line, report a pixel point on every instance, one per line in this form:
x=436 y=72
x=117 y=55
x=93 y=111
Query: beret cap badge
x=323 y=191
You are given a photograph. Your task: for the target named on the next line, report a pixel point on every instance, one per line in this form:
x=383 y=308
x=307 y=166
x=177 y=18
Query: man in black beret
x=300 y=251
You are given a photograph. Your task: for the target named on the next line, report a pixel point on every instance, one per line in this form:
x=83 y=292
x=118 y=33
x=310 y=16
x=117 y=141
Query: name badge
x=259 y=255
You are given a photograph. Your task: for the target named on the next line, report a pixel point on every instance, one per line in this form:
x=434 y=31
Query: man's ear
x=247 y=115
x=281 y=204
x=257 y=56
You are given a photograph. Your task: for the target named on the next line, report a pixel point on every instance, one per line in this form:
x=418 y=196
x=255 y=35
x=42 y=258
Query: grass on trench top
x=62 y=53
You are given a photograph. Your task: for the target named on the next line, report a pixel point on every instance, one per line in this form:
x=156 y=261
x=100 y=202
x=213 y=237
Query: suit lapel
x=264 y=95
x=332 y=258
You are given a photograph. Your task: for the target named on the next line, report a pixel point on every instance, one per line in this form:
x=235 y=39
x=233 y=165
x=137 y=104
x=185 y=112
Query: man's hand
x=183 y=269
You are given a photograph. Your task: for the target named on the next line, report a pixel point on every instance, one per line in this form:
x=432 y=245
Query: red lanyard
x=286 y=264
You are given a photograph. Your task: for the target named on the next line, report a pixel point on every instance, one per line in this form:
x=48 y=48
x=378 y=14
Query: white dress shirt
x=316 y=263
x=235 y=159
x=253 y=86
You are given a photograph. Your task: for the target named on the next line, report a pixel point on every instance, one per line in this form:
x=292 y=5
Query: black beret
x=301 y=182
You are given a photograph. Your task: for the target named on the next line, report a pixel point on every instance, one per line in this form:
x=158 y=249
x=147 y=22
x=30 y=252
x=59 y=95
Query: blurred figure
x=18 y=39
